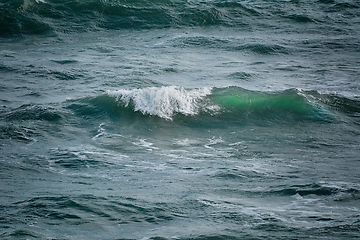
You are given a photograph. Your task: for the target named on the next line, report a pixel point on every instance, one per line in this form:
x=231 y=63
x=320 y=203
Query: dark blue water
x=179 y=119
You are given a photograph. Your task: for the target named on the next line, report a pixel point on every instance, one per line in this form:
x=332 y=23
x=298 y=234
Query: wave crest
x=164 y=102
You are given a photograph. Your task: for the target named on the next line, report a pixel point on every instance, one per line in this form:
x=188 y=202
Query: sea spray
x=164 y=102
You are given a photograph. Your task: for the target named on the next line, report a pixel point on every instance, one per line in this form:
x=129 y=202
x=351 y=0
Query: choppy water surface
x=179 y=119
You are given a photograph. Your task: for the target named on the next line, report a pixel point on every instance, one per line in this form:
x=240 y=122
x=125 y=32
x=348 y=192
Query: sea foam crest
x=164 y=101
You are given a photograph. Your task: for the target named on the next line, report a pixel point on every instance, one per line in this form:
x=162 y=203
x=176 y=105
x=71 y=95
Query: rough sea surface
x=179 y=119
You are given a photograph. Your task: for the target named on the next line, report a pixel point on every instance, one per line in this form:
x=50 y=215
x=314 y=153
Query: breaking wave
x=230 y=103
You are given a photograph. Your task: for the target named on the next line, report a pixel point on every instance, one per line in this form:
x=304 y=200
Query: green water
x=179 y=119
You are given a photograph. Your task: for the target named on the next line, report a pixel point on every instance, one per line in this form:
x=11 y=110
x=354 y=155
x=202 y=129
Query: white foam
x=145 y=144
x=164 y=102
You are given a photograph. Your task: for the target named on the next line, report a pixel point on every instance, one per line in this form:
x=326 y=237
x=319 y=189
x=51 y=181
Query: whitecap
x=164 y=101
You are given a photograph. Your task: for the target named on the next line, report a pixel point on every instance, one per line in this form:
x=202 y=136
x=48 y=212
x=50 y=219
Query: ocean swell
x=19 y=17
x=227 y=104
x=23 y=17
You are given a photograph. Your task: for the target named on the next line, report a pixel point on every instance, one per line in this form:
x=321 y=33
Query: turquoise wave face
x=231 y=104
x=251 y=102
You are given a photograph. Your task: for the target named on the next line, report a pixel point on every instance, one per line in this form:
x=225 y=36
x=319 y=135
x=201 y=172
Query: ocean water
x=179 y=119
